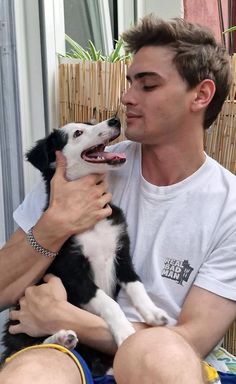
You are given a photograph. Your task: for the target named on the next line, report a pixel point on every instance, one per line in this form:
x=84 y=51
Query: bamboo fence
x=230 y=339
x=220 y=139
x=93 y=90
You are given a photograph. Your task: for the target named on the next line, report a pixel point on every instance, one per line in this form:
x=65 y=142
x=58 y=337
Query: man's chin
x=132 y=136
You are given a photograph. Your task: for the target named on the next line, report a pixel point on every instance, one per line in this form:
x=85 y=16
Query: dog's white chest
x=99 y=246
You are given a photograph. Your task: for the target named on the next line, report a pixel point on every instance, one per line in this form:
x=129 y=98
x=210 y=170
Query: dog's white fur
x=99 y=242
x=91 y=136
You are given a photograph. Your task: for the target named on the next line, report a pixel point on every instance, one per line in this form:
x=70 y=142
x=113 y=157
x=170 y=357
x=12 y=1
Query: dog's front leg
x=105 y=307
x=134 y=288
x=152 y=314
x=66 y=338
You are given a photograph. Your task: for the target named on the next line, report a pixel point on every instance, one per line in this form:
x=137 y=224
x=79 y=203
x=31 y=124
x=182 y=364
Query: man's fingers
x=48 y=277
x=14 y=315
x=105 y=199
x=101 y=179
x=51 y=278
x=95 y=178
x=13 y=329
x=60 y=164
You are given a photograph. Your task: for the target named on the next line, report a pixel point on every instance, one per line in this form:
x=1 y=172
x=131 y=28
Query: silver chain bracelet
x=37 y=247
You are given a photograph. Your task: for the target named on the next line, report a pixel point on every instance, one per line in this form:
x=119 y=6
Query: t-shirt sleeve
x=218 y=273
x=30 y=210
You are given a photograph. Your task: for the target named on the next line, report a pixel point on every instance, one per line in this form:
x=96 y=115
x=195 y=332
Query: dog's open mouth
x=97 y=154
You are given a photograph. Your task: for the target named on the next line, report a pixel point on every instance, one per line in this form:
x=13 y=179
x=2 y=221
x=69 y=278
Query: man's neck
x=170 y=164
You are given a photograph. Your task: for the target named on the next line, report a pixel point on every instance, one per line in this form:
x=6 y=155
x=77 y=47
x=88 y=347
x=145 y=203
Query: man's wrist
x=48 y=234
x=38 y=247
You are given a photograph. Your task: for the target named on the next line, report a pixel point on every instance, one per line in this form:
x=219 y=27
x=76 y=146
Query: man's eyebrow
x=140 y=75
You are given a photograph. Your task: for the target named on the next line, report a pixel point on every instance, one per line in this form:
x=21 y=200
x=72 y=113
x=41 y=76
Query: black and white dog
x=92 y=264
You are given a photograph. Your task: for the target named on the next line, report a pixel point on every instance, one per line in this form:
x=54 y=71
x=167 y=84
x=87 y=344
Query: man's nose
x=128 y=97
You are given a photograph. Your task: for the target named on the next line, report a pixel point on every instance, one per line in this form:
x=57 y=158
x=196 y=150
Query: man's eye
x=149 y=87
x=77 y=133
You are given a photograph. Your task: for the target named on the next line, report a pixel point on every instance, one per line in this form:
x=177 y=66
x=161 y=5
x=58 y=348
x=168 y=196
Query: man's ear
x=204 y=93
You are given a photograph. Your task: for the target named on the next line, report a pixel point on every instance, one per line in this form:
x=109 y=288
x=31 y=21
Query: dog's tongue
x=105 y=157
x=110 y=155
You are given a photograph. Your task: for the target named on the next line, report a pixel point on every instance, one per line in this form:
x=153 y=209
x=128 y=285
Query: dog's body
x=93 y=263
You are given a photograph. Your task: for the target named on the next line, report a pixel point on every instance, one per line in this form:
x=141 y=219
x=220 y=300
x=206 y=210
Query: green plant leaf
x=94 y=53
x=78 y=52
x=230 y=29
x=115 y=54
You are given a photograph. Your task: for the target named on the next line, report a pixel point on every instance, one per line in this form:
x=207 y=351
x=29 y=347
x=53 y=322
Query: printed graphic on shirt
x=177 y=270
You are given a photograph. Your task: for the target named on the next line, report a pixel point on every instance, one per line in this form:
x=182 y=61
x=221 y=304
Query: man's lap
x=86 y=376
x=212 y=375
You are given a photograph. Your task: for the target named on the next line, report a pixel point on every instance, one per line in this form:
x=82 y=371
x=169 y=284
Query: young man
x=181 y=211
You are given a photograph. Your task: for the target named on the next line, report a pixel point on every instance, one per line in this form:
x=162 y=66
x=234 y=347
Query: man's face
x=158 y=100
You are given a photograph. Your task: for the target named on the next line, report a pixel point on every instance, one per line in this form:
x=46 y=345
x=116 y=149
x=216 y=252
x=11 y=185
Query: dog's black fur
x=71 y=265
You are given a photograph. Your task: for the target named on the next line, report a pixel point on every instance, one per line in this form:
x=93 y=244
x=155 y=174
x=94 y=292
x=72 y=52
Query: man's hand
x=74 y=207
x=36 y=315
x=44 y=310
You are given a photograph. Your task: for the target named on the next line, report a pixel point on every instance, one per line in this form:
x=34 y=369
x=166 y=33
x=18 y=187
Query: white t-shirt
x=181 y=234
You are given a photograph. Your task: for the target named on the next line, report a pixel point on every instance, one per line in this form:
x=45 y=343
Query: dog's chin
x=75 y=172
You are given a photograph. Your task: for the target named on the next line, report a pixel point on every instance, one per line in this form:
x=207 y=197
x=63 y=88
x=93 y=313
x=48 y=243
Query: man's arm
x=74 y=207
x=20 y=266
x=44 y=310
x=204 y=319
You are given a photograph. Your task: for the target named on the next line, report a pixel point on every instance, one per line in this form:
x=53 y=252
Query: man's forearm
x=91 y=330
x=21 y=266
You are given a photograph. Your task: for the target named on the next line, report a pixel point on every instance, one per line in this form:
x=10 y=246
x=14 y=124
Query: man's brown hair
x=197 y=54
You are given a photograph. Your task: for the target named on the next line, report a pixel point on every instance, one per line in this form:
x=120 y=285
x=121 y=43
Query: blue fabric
x=227 y=378
x=107 y=379
x=86 y=370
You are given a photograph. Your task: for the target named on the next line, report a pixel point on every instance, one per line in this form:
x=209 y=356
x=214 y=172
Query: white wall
x=38 y=114
x=30 y=79
x=2 y=223
x=165 y=9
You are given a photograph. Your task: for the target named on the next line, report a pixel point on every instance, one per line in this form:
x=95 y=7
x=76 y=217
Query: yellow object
x=54 y=346
x=211 y=374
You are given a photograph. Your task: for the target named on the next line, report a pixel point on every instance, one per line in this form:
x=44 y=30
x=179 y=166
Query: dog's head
x=83 y=145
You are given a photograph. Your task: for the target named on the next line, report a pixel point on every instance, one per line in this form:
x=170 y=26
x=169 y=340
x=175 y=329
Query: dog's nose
x=114 y=122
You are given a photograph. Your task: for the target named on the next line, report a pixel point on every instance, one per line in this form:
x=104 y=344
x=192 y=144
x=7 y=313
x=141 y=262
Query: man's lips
x=131 y=116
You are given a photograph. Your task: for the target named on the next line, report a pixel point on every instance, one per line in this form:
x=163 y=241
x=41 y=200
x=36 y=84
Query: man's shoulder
x=227 y=175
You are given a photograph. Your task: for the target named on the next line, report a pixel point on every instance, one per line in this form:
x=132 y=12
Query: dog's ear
x=38 y=155
x=43 y=153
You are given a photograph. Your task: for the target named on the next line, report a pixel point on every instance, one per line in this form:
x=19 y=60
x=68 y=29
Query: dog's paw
x=66 y=338
x=126 y=331
x=155 y=316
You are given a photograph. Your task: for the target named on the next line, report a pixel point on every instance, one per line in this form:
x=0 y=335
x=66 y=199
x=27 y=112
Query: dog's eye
x=77 y=133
